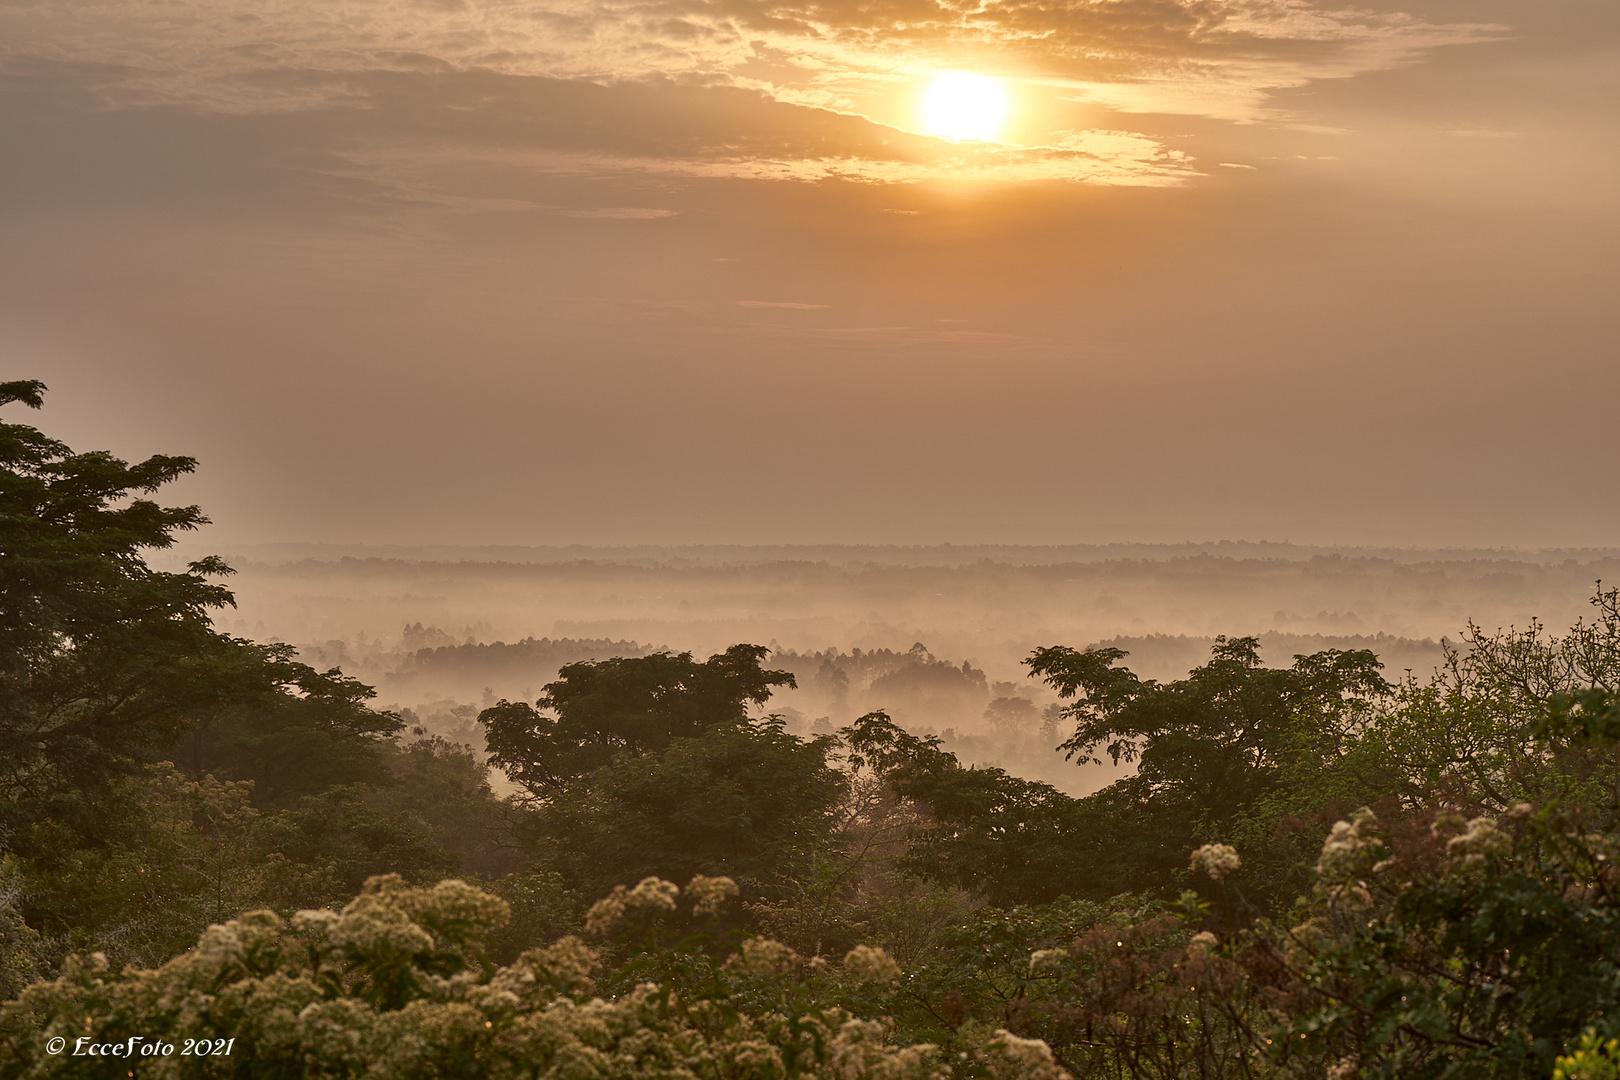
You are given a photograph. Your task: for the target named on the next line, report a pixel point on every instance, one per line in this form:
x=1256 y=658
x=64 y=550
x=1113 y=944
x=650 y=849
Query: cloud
x=1189 y=56
x=778 y=90
x=779 y=304
x=622 y=213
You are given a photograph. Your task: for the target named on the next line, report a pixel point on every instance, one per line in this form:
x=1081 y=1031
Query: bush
x=396 y=985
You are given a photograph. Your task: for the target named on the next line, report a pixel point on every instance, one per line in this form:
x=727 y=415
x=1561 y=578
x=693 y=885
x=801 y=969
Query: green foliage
x=624 y=707
x=1591 y=1059
x=1498 y=723
x=747 y=801
x=1478 y=948
x=22 y=953
x=543 y=909
x=98 y=653
x=1216 y=739
x=183 y=860
x=290 y=730
x=1000 y=968
x=329 y=844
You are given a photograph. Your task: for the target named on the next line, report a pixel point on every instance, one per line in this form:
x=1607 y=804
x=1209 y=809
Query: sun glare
x=963 y=106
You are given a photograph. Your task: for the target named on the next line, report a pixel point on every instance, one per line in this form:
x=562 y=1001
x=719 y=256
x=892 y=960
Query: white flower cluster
x=869 y=964
x=374 y=990
x=1350 y=855
x=710 y=893
x=1202 y=942
x=1480 y=840
x=766 y=961
x=1013 y=1058
x=1217 y=860
x=652 y=896
x=858 y=1052
x=1350 y=850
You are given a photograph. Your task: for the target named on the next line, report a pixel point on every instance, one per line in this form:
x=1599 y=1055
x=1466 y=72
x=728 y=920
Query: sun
x=964 y=106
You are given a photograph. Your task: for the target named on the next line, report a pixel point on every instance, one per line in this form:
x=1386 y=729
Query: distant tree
x=1212 y=750
x=1211 y=735
x=651 y=765
x=1004 y=838
x=918 y=672
x=751 y=802
x=626 y=706
x=1011 y=715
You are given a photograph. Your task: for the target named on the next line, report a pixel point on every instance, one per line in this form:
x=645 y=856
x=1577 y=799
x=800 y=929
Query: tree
x=750 y=802
x=1474 y=733
x=651 y=765
x=626 y=706
x=1212 y=749
x=1010 y=715
x=107 y=664
x=110 y=668
x=98 y=652
x=293 y=731
x=1004 y=838
x=447 y=786
x=1212 y=738
x=186 y=855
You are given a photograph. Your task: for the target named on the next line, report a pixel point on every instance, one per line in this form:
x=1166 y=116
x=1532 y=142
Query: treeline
x=1310 y=871
x=470 y=667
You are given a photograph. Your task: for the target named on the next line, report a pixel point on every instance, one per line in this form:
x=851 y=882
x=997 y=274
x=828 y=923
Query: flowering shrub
x=1458 y=947
x=1216 y=860
x=866 y=964
x=394 y=985
x=653 y=896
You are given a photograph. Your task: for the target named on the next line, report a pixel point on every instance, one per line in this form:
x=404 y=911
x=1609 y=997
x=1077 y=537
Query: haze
x=571 y=272
x=934 y=636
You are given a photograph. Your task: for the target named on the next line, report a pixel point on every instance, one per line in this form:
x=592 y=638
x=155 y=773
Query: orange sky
x=691 y=270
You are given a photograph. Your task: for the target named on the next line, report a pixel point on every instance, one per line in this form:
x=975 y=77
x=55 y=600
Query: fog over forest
x=932 y=635
x=836 y=540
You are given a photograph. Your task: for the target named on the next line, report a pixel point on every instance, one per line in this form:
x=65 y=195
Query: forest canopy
x=1309 y=871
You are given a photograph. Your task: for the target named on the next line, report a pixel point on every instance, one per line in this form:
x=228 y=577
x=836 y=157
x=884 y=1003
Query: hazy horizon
x=930 y=634
x=478 y=272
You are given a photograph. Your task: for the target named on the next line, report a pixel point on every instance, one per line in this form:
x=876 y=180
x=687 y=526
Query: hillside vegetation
x=1305 y=871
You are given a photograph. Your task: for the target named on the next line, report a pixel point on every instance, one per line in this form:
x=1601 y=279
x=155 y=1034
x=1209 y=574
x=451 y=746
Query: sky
x=709 y=271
